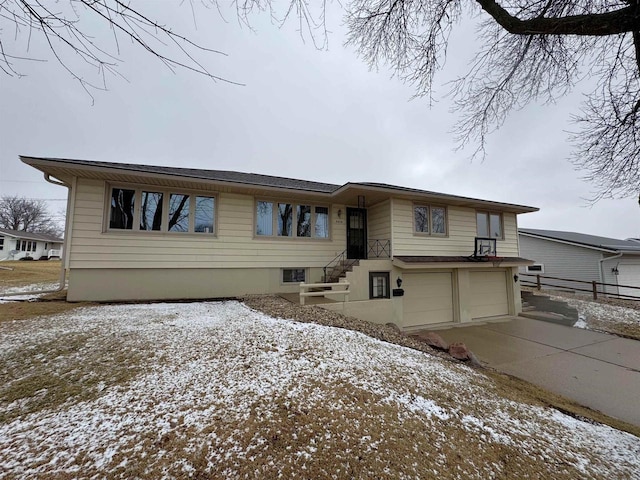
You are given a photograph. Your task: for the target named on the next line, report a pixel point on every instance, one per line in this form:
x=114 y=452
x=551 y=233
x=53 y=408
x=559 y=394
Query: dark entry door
x=356 y=233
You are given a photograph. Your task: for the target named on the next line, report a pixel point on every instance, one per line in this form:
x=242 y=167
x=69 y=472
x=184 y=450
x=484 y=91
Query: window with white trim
x=429 y=220
x=293 y=220
x=489 y=225
x=535 y=268
x=1 y=243
x=143 y=209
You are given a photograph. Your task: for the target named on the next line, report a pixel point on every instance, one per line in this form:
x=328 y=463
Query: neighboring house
x=579 y=256
x=15 y=244
x=137 y=232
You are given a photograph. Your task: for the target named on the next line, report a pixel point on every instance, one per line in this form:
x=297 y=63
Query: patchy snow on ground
x=222 y=391
x=35 y=287
x=592 y=314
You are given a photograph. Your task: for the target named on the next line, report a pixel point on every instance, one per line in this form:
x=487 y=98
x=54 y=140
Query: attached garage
x=629 y=274
x=428 y=298
x=489 y=296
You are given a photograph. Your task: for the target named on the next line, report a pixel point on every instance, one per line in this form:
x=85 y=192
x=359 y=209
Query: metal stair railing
x=336 y=267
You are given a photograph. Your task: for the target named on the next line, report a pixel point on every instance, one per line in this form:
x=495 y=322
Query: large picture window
x=429 y=220
x=279 y=219
x=489 y=225
x=140 y=209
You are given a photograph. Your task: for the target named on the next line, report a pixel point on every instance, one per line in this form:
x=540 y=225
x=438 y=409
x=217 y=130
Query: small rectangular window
x=1 y=243
x=151 y=211
x=322 y=222
x=293 y=275
x=122 y=203
x=482 y=223
x=536 y=268
x=204 y=215
x=379 y=285
x=285 y=219
x=495 y=225
x=264 y=218
x=178 y=212
x=421 y=219
x=303 y=216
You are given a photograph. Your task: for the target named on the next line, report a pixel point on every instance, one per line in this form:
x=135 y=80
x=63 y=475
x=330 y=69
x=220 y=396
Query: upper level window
x=429 y=220
x=148 y=208
x=489 y=225
x=291 y=220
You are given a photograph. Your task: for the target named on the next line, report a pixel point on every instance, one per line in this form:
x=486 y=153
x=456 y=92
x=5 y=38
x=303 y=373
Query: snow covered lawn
x=217 y=390
x=605 y=317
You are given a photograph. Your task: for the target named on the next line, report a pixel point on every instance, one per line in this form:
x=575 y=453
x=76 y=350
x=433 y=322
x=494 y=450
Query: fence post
x=594 y=286
x=538 y=282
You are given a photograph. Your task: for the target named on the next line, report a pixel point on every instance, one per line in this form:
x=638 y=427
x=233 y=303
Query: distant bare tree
x=22 y=214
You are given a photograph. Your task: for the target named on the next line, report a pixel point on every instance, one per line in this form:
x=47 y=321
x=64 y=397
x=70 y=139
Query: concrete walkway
x=595 y=369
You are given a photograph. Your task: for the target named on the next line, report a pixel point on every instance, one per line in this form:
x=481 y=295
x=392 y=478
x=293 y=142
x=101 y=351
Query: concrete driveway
x=598 y=370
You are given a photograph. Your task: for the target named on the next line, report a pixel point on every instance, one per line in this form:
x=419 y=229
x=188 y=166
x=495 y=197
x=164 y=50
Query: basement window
x=379 y=285
x=293 y=275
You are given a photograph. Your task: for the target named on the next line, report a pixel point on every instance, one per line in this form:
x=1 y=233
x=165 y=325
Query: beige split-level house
x=139 y=232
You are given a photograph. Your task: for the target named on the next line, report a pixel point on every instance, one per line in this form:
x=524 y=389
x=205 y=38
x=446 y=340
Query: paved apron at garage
x=598 y=370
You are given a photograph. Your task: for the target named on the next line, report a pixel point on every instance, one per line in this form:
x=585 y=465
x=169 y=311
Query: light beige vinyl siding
x=233 y=246
x=461 y=228
x=379 y=221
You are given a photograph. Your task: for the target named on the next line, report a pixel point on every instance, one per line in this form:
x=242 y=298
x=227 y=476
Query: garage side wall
x=562 y=260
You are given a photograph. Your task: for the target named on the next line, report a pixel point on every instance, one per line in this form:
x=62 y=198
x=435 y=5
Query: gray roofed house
x=583 y=257
x=389 y=253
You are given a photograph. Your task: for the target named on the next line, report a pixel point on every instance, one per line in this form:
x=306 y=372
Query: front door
x=356 y=233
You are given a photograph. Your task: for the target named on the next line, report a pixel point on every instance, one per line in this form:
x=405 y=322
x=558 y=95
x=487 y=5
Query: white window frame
x=536 y=272
x=294 y=220
x=166 y=196
x=430 y=233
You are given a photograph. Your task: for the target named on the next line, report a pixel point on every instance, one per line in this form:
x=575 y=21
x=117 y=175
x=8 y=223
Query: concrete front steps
x=541 y=307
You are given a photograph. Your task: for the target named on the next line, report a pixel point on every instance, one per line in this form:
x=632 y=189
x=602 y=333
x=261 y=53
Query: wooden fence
x=539 y=281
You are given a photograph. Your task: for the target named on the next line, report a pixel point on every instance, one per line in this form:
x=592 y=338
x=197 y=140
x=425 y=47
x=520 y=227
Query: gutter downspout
x=63 y=259
x=601 y=261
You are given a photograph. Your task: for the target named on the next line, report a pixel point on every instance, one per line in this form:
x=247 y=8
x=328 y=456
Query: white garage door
x=629 y=275
x=489 y=296
x=428 y=298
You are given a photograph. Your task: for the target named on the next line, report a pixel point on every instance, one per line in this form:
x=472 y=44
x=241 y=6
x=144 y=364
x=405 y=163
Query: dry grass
x=27 y=273
x=505 y=385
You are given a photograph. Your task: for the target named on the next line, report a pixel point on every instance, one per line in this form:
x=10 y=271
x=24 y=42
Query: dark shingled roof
x=265 y=180
x=219 y=175
x=606 y=243
x=31 y=236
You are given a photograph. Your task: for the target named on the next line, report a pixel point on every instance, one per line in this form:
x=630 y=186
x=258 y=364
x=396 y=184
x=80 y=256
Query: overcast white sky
x=303 y=113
